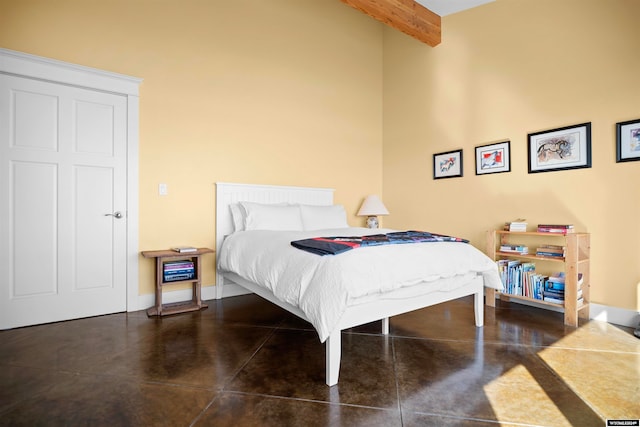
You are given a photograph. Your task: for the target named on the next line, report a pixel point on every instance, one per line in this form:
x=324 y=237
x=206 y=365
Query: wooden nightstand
x=195 y=303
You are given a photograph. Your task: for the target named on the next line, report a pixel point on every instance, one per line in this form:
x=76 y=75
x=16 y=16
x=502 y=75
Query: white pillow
x=238 y=216
x=323 y=217
x=272 y=217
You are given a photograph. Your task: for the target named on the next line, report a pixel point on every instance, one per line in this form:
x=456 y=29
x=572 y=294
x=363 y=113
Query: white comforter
x=324 y=286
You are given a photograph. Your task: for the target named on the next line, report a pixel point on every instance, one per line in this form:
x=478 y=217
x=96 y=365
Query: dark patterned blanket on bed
x=338 y=245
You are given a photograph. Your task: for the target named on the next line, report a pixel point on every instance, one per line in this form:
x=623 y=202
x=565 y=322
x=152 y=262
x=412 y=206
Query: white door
x=63 y=178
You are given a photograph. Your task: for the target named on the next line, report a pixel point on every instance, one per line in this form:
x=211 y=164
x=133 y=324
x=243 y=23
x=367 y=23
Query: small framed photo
x=447 y=165
x=493 y=158
x=560 y=149
x=628 y=141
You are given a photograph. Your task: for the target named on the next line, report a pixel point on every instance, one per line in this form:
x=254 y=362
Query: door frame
x=36 y=67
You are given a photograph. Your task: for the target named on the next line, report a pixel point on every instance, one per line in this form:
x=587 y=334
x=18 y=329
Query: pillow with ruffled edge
x=237 y=216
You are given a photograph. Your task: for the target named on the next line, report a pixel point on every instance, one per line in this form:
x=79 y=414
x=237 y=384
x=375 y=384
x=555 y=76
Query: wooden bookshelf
x=576 y=261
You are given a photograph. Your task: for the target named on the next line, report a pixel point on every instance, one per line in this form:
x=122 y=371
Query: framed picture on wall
x=447 y=165
x=628 y=141
x=560 y=149
x=493 y=158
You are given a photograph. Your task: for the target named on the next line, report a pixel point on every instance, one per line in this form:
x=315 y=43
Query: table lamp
x=371 y=208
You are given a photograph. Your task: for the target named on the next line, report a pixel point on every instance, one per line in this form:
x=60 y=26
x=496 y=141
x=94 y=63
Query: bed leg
x=478 y=300
x=385 y=326
x=219 y=285
x=332 y=352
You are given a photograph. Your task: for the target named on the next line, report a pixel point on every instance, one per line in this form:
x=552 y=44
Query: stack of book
x=517 y=225
x=178 y=270
x=516 y=249
x=555 y=228
x=554 y=289
x=551 y=251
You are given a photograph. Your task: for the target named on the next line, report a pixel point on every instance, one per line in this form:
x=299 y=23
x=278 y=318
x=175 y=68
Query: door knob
x=115 y=214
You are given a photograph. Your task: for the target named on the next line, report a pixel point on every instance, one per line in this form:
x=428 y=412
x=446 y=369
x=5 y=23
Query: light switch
x=162 y=189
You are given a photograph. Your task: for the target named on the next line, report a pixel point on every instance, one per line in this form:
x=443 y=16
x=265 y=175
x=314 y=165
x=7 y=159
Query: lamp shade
x=372 y=206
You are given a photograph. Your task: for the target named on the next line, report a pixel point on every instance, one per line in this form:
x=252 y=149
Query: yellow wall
x=304 y=92
x=504 y=70
x=285 y=92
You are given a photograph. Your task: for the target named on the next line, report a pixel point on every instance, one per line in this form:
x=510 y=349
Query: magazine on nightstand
x=184 y=249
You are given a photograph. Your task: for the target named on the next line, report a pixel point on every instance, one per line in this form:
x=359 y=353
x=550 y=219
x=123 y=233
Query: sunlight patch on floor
x=607 y=374
x=506 y=396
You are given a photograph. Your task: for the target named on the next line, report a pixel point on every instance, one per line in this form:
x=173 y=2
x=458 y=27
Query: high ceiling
x=447 y=7
x=420 y=19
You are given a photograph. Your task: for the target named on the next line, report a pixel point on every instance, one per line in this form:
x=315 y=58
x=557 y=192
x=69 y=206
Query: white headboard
x=229 y=193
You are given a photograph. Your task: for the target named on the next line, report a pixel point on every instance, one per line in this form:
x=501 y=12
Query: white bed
x=342 y=311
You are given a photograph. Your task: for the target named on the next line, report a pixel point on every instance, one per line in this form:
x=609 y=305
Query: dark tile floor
x=245 y=362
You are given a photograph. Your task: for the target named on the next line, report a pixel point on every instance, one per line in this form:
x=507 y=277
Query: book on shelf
x=554 y=300
x=555 y=295
x=520 y=279
x=178 y=277
x=178 y=270
x=184 y=249
x=558 y=277
x=517 y=225
x=538 y=286
x=551 y=251
x=553 y=286
x=561 y=277
x=520 y=249
x=189 y=273
x=549 y=254
x=183 y=273
x=528 y=270
x=553 y=247
x=507 y=270
x=555 y=228
x=177 y=265
x=560 y=296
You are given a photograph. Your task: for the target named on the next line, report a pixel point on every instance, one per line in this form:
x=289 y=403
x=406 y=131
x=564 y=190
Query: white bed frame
x=389 y=305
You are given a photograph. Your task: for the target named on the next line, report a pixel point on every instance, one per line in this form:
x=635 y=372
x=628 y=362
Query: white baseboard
x=208 y=293
x=615 y=315
x=233 y=290
x=143 y=302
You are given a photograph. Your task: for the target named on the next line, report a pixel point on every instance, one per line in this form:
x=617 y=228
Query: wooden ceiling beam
x=405 y=15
